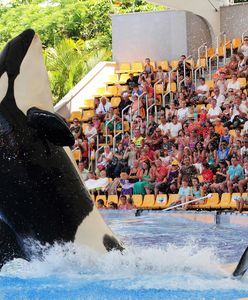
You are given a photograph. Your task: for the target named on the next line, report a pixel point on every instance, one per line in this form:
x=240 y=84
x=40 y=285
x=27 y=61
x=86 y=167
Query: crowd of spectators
x=196 y=144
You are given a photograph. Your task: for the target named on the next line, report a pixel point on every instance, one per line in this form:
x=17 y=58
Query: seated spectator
x=160 y=75
x=180 y=67
x=235 y=173
x=197 y=192
x=232 y=66
x=135 y=172
x=105 y=158
x=208 y=177
x=130 y=155
x=108 y=121
x=183 y=112
x=136 y=105
x=84 y=172
x=112 y=205
x=144 y=179
x=76 y=129
x=126 y=186
x=100 y=204
x=221 y=83
x=203 y=116
x=103 y=107
x=163 y=125
x=244 y=47
x=152 y=125
x=182 y=140
x=226 y=113
x=234 y=84
x=132 y=81
x=190 y=87
x=214 y=112
x=148 y=68
x=243 y=183
x=155 y=141
x=124 y=205
x=244 y=150
x=218 y=186
x=202 y=91
x=186 y=170
x=242 y=66
x=223 y=151
x=171 y=111
x=239 y=113
x=218 y=126
x=125 y=101
x=169 y=184
x=220 y=98
x=184 y=193
x=198 y=154
x=138 y=139
x=173 y=128
x=226 y=137
x=212 y=138
x=90 y=131
x=97 y=124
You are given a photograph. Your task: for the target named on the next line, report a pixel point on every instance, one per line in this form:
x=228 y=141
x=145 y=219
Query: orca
x=42 y=195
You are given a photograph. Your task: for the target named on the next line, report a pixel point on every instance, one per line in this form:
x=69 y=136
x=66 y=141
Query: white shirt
x=233 y=85
x=245 y=127
x=103 y=108
x=214 y=112
x=243 y=108
x=244 y=50
x=183 y=113
x=174 y=129
x=220 y=99
x=89 y=132
x=164 y=127
x=204 y=88
x=244 y=151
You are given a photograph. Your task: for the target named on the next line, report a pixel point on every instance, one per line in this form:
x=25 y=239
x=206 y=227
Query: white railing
x=210 y=64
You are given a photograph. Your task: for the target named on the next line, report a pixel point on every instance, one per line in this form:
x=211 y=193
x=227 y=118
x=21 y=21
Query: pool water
x=165 y=258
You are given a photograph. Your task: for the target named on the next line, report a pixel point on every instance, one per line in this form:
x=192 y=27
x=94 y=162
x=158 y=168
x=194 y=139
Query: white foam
x=186 y=267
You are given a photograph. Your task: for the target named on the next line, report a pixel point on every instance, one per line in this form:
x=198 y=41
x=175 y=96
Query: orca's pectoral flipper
x=10 y=247
x=52 y=126
x=242 y=265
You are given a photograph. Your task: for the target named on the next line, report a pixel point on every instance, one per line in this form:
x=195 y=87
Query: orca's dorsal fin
x=242 y=265
x=51 y=126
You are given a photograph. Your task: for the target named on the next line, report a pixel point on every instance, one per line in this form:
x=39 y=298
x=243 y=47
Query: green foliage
x=77 y=33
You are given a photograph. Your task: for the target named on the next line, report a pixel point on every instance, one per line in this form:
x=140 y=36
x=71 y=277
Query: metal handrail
x=204 y=45
x=147 y=113
x=97 y=151
x=196 y=70
x=210 y=65
x=226 y=44
x=139 y=101
x=114 y=139
x=122 y=116
x=106 y=129
x=155 y=95
x=97 y=145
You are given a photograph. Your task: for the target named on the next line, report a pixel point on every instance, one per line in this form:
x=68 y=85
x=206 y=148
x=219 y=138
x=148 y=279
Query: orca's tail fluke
x=242 y=265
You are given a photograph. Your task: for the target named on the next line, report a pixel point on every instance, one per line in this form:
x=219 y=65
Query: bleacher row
x=163 y=201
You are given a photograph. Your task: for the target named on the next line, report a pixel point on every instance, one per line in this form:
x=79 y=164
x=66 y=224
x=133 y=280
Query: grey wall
x=233 y=20
x=158 y=35
x=198 y=32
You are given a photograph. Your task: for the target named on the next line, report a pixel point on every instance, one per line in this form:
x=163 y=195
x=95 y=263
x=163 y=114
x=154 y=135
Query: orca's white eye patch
x=4 y=82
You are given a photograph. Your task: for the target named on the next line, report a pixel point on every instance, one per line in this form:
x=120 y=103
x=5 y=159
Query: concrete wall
x=158 y=35
x=198 y=32
x=233 y=19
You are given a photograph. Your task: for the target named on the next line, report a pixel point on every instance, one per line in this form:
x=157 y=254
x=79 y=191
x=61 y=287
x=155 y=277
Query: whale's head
x=23 y=74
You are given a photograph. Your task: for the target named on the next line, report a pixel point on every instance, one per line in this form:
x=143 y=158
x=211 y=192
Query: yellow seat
x=242 y=81
x=152 y=63
x=211 y=52
x=75 y=114
x=246 y=205
x=123 y=68
x=201 y=63
x=208 y=106
x=236 y=43
x=221 y=51
x=121 y=89
x=161 y=201
x=123 y=78
x=112 y=90
x=137 y=200
x=232 y=202
x=112 y=79
x=172 y=87
x=211 y=203
x=77 y=154
x=172 y=198
x=112 y=198
x=199 y=107
x=159 y=89
x=200 y=178
x=174 y=64
x=225 y=201
x=115 y=101
x=88 y=114
x=210 y=84
x=100 y=91
x=126 y=127
x=109 y=141
x=137 y=67
x=88 y=104
x=191 y=62
x=148 y=201
x=103 y=197
x=164 y=65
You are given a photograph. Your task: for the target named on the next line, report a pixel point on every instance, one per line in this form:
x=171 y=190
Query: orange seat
x=236 y=43
x=112 y=198
x=159 y=89
x=174 y=64
x=76 y=154
x=137 y=200
x=148 y=201
x=225 y=201
x=75 y=114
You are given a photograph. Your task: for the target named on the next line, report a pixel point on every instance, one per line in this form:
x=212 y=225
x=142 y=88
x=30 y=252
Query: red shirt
x=161 y=172
x=207 y=175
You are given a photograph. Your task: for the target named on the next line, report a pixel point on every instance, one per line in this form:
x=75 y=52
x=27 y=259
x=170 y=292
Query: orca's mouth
x=14 y=52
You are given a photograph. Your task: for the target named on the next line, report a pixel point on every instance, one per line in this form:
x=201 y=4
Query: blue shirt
x=185 y=191
x=236 y=171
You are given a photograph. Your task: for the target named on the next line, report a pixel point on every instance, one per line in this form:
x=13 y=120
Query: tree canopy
x=76 y=34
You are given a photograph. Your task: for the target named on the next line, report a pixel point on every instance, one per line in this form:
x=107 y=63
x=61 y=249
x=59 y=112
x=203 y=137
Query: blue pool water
x=166 y=258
